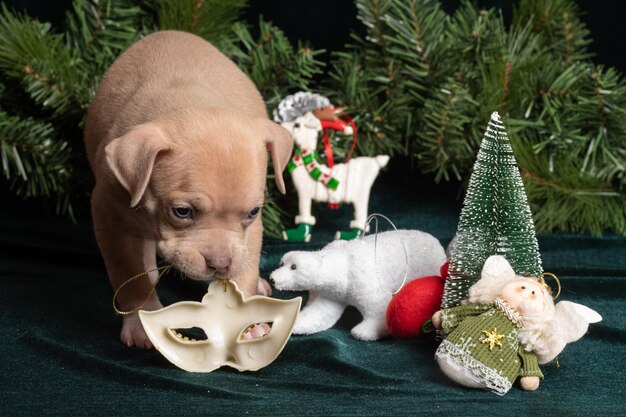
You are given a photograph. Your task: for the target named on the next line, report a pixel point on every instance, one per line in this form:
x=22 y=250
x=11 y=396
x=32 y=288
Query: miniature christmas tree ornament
x=229 y=323
x=305 y=115
x=495 y=220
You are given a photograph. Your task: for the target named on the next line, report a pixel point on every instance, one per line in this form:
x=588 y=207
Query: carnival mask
x=224 y=317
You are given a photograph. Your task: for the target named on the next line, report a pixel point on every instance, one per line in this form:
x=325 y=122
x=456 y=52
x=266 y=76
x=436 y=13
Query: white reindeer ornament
x=305 y=115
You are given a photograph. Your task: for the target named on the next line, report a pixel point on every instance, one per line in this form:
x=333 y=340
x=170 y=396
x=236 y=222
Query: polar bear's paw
x=370 y=329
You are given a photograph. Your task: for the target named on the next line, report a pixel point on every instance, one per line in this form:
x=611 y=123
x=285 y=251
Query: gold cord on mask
x=163 y=270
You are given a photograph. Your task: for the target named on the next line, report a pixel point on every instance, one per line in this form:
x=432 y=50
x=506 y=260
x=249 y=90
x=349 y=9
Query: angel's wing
x=588 y=314
x=572 y=321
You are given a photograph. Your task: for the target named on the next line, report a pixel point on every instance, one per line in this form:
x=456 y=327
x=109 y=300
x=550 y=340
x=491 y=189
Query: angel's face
x=525 y=296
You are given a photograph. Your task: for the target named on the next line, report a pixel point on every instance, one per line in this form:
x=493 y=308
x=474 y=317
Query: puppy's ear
x=131 y=158
x=280 y=145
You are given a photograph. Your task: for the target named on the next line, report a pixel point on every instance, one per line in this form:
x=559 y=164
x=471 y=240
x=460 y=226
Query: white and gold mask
x=224 y=316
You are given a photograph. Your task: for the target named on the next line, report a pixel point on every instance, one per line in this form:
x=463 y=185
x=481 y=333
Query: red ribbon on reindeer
x=329 y=119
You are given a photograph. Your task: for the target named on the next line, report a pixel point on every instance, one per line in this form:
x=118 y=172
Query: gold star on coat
x=493 y=338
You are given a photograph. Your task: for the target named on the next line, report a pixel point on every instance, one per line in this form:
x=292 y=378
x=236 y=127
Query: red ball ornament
x=414 y=304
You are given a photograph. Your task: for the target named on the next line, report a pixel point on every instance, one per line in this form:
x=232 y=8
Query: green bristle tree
x=495 y=220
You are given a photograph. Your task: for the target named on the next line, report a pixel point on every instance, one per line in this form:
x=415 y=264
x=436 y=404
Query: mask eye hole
x=255 y=331
x=189 y=335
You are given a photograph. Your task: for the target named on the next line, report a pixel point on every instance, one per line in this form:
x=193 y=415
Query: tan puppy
x=177 y=137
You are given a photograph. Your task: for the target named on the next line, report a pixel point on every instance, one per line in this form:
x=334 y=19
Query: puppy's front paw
x=133 y=333
x=255 y=331
x=264 y=288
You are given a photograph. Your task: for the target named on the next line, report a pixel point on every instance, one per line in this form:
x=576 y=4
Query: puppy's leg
x=371 y=328
x=249 y=281
x=264 y=288
x=319 y=314
x=124 y=256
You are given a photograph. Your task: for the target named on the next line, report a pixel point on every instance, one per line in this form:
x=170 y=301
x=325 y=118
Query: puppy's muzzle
x=218 y=265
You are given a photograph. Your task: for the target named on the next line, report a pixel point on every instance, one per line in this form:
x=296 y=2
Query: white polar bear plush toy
x=346 y=273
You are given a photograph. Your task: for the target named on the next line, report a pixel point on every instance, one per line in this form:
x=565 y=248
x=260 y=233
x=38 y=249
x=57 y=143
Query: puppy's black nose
x=271 y=281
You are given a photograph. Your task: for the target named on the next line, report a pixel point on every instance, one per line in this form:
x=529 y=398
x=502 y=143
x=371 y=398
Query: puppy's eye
x=254 y=212
x=533 y=293
x=296 y=125
x=182 y=212
x=523 y=288
x=281 y=264
x=293 y=266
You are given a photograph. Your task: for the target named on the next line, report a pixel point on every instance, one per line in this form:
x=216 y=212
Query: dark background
x=327 y=24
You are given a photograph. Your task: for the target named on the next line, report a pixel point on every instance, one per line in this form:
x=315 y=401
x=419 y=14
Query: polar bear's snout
x=283 y=277
x=291 y=275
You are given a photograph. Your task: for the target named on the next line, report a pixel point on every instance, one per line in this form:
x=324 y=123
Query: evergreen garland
x=49 y=80
x=426 y=80
x=420 y=83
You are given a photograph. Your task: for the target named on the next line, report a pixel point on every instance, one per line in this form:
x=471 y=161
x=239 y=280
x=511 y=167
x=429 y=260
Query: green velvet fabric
x=60 y=352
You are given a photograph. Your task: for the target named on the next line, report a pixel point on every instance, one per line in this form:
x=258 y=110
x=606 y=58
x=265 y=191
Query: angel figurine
x=506 y=329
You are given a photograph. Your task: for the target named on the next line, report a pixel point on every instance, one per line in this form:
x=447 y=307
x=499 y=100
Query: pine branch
x=101 y=30
x=32 y=54
x=273 y=64
x=473 y=36
x=416 y=40
x=368 y=80
x=600 y=112
x=580 y=114
x=210 y=19
x=563 y=200
x=560 y=27
x=58 y=74
x=273 y=218
x=446 y=144
x=509 y=67
x=33 y=160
